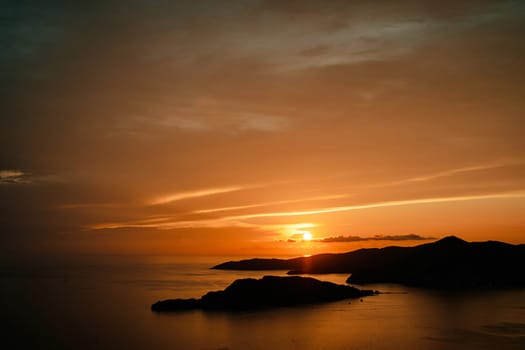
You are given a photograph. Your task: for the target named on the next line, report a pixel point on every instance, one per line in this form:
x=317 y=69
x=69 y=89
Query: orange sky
x=213 y=128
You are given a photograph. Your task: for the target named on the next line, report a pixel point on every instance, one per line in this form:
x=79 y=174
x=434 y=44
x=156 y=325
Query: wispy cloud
x=13 y=177
x=291 y=230
x=451 y=172
x=184 y=123
x=515 y=194
x=240 y=220
x=258 y=205
x=166 y=223
x=357 y=39
x=171 y=224
x=204 y=119
x=411 y=237
x=193 y=194
x=91 y=205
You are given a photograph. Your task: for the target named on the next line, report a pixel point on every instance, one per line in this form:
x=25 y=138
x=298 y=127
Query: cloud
x=193 y=194
x=410 y=237
x=290 y=201
x=451 y=172
x=513 y=194
x=201 y=120
x=265 y=123
x=171 y=222
x=190 y=124
x=320 y=35
x=13 y=177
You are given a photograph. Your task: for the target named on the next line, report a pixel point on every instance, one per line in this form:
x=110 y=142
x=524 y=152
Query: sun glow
x=307 y=236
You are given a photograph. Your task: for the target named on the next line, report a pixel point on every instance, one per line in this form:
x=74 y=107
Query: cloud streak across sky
x=12 y=177
x=410 y=237
x=243 y=220
x=193 y=194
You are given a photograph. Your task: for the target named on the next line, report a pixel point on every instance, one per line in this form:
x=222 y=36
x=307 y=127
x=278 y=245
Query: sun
x=307 y=236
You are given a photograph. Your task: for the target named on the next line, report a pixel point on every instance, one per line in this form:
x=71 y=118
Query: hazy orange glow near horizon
x=260 y=127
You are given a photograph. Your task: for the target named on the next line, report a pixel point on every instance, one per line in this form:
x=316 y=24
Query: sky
x=237 y=127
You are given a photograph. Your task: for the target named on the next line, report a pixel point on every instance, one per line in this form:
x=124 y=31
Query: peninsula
x=270 y=291
x=449 y=263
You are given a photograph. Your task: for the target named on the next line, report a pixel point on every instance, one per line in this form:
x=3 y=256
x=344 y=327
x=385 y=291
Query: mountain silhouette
x=447 y=263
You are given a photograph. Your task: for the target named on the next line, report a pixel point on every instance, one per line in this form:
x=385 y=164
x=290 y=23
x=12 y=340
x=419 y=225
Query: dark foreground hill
x=448 y=263
x=270 y=291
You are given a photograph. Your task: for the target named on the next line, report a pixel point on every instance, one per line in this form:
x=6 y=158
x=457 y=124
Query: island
x=267 y=292
x=449 y=263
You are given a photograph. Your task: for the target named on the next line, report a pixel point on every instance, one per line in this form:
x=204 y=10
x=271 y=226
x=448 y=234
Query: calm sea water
x=104 y=303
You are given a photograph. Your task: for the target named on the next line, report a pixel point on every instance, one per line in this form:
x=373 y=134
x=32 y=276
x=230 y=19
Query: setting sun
x=307 y=236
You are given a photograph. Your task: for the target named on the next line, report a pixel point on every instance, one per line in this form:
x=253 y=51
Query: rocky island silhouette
x=267 y=292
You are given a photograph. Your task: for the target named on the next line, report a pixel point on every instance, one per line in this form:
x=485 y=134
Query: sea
x=103 y=302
